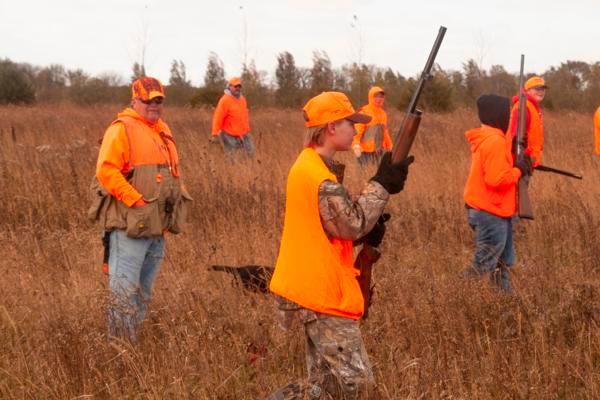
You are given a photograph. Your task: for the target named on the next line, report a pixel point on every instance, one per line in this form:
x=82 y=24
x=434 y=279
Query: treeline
x=574 y=85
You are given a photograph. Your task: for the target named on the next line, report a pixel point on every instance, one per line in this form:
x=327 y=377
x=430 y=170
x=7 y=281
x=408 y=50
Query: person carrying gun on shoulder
x=490 y=191
x=315 y=270
x=372 y=139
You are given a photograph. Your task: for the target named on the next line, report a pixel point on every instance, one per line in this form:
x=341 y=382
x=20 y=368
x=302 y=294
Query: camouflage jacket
x=345 y=218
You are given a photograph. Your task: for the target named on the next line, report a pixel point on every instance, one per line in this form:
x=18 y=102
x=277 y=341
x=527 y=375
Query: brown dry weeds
x=430 y=335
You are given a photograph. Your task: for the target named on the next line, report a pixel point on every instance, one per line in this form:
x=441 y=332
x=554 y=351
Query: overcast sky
x=109 y=35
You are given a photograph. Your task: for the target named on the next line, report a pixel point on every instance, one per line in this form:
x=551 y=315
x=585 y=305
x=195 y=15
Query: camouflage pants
x=337 y=362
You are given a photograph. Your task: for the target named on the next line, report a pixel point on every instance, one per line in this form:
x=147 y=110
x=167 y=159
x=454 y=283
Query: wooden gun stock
x=525 y=210
x=364 y=263
x=406 y=136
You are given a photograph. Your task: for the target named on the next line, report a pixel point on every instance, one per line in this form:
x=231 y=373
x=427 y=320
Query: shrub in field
x=15 y=84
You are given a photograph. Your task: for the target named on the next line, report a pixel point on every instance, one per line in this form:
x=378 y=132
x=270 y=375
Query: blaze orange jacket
x=311 y=270
x=231 y=116
x=534 y=127
x=491 y=185
x=116 y=157
x=374 y=134
x=597 y=129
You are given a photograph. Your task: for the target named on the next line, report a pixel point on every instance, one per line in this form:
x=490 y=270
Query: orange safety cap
x=147 y=88
x=236 y=80
x=535 y=81
x=329 y=107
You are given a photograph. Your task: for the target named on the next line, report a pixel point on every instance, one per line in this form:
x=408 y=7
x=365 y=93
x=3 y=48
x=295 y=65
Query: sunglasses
x=238 y=86
x=156 y=100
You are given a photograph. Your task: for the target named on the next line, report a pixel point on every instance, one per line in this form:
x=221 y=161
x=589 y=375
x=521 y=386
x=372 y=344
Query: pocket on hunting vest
x=98 y=196
x=181 y=211
x=144 y=221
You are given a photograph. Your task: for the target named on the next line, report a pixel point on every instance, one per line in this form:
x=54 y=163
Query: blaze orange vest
x=146 y=147
x=153 y=170
x=311 y=270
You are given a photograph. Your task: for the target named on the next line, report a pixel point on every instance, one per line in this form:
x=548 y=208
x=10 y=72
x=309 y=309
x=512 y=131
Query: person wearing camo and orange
x=372 y=139
x=314 y=277
x=137 y=197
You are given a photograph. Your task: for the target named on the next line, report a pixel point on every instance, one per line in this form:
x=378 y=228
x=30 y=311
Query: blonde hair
x=315 y=135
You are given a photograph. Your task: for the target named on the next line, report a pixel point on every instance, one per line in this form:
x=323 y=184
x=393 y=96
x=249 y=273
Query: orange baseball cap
x=329 y=107
x=236 y=80
x=147 y=88
x=535 y=81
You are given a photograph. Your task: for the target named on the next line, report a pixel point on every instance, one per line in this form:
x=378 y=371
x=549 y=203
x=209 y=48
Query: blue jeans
x=132 y=267
x=494 y=250
x=233 y=143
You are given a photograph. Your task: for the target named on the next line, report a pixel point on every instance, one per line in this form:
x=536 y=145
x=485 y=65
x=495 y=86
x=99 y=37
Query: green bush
x=206 y=97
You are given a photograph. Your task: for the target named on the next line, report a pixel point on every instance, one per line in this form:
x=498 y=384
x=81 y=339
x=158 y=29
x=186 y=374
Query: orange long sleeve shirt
x=231 y=116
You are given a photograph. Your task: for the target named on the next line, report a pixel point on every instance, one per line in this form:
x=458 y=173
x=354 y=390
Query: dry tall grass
x=430 y=334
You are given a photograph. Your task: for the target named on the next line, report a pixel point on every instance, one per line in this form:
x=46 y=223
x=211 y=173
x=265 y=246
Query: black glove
x=392 y=176
x=375 y=236
x=525 y=165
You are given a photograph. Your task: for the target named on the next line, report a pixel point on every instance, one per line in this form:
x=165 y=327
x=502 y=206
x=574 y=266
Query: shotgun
x=553 y=170
x=524 y=203
x=402 y=145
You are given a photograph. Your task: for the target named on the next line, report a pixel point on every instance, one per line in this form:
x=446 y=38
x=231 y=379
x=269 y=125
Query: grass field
x=430 y=334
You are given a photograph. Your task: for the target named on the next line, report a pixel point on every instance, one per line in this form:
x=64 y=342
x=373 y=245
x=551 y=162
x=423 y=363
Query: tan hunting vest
x=154 y=172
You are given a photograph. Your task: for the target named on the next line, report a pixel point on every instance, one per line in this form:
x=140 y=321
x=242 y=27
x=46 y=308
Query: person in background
x=372 y=139
x=231 y=124
x=535 y=91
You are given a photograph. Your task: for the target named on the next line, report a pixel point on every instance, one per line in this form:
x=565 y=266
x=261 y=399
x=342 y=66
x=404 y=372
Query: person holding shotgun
x=535 y=91
x=315 y=274
x=490 y=191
